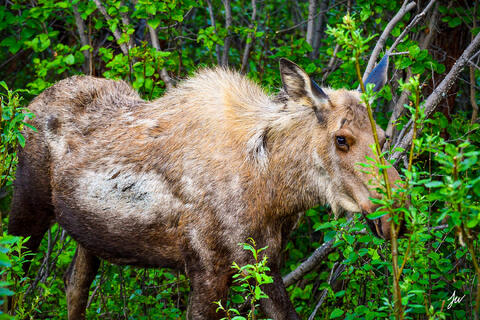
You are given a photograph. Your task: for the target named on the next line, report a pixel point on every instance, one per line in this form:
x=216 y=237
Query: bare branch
x=83 y=37
x=406 y=7
x=305 y=267
x=413 y=23
x=438 y=94
x=116 y=33
x=156 y=44
x=250 y=38
x=228 y=24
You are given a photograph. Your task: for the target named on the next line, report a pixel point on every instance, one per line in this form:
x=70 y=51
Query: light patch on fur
x=125 y=194
x=257 y=148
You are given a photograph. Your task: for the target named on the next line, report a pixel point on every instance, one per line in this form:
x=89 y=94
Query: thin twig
x=412 y=23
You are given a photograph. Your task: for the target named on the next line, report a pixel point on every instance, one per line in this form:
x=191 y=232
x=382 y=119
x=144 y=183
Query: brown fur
x=180 y=181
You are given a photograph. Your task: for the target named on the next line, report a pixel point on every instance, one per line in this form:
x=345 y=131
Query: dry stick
x=214 y=25
x=228 y=24
x=116 y=33
x=250 y=38
x=83 y=37
x=406 y=7
x=334 y=274
x=437 y=95
x=156 y=44
x=318 y=255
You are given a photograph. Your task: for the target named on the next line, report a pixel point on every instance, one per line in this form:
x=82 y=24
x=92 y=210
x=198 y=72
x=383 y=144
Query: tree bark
x=228 y=24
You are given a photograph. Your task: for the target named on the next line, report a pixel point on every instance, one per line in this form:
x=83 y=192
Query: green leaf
x=86 y=47
x=238 y=299
x=336 y=313
x=455 y=22
x=376 y=214
x=70 y=59
x=154 y=22
x=434 y=184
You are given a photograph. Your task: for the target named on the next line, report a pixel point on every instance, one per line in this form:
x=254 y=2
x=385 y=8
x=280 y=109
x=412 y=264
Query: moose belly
x=124 y=217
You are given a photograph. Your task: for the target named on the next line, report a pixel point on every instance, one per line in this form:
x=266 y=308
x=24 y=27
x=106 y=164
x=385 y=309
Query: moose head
x=342 y=140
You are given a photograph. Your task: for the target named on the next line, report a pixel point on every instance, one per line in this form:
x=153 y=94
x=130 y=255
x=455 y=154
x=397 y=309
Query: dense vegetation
x=354 y=275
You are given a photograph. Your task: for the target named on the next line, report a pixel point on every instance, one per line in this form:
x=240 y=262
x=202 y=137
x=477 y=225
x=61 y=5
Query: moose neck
x=291 y=178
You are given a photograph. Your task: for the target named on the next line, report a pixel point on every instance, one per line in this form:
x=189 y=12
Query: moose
x=180 y=181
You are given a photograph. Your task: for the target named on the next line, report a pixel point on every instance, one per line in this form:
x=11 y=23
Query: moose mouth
x=375 y=225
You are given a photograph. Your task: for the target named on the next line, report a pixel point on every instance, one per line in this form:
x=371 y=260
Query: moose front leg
x=278 y=306
x=209 y=283
x=78 y=278
x=206 y=289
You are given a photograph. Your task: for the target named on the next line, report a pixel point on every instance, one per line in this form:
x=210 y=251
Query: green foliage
x=40 y=44
x=247 y=284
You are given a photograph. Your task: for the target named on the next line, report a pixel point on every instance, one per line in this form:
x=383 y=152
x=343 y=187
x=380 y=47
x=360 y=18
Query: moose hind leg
x=78 y=278
x=31 y=212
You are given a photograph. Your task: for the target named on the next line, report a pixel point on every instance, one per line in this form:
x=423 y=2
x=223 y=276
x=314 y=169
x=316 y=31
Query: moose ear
x=378 y=76
x=298 y=84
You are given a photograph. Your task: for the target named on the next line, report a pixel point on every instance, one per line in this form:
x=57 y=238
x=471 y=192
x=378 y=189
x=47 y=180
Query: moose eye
x=342 y=143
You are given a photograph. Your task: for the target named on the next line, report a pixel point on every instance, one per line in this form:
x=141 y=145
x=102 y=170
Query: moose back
x=180 y=181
